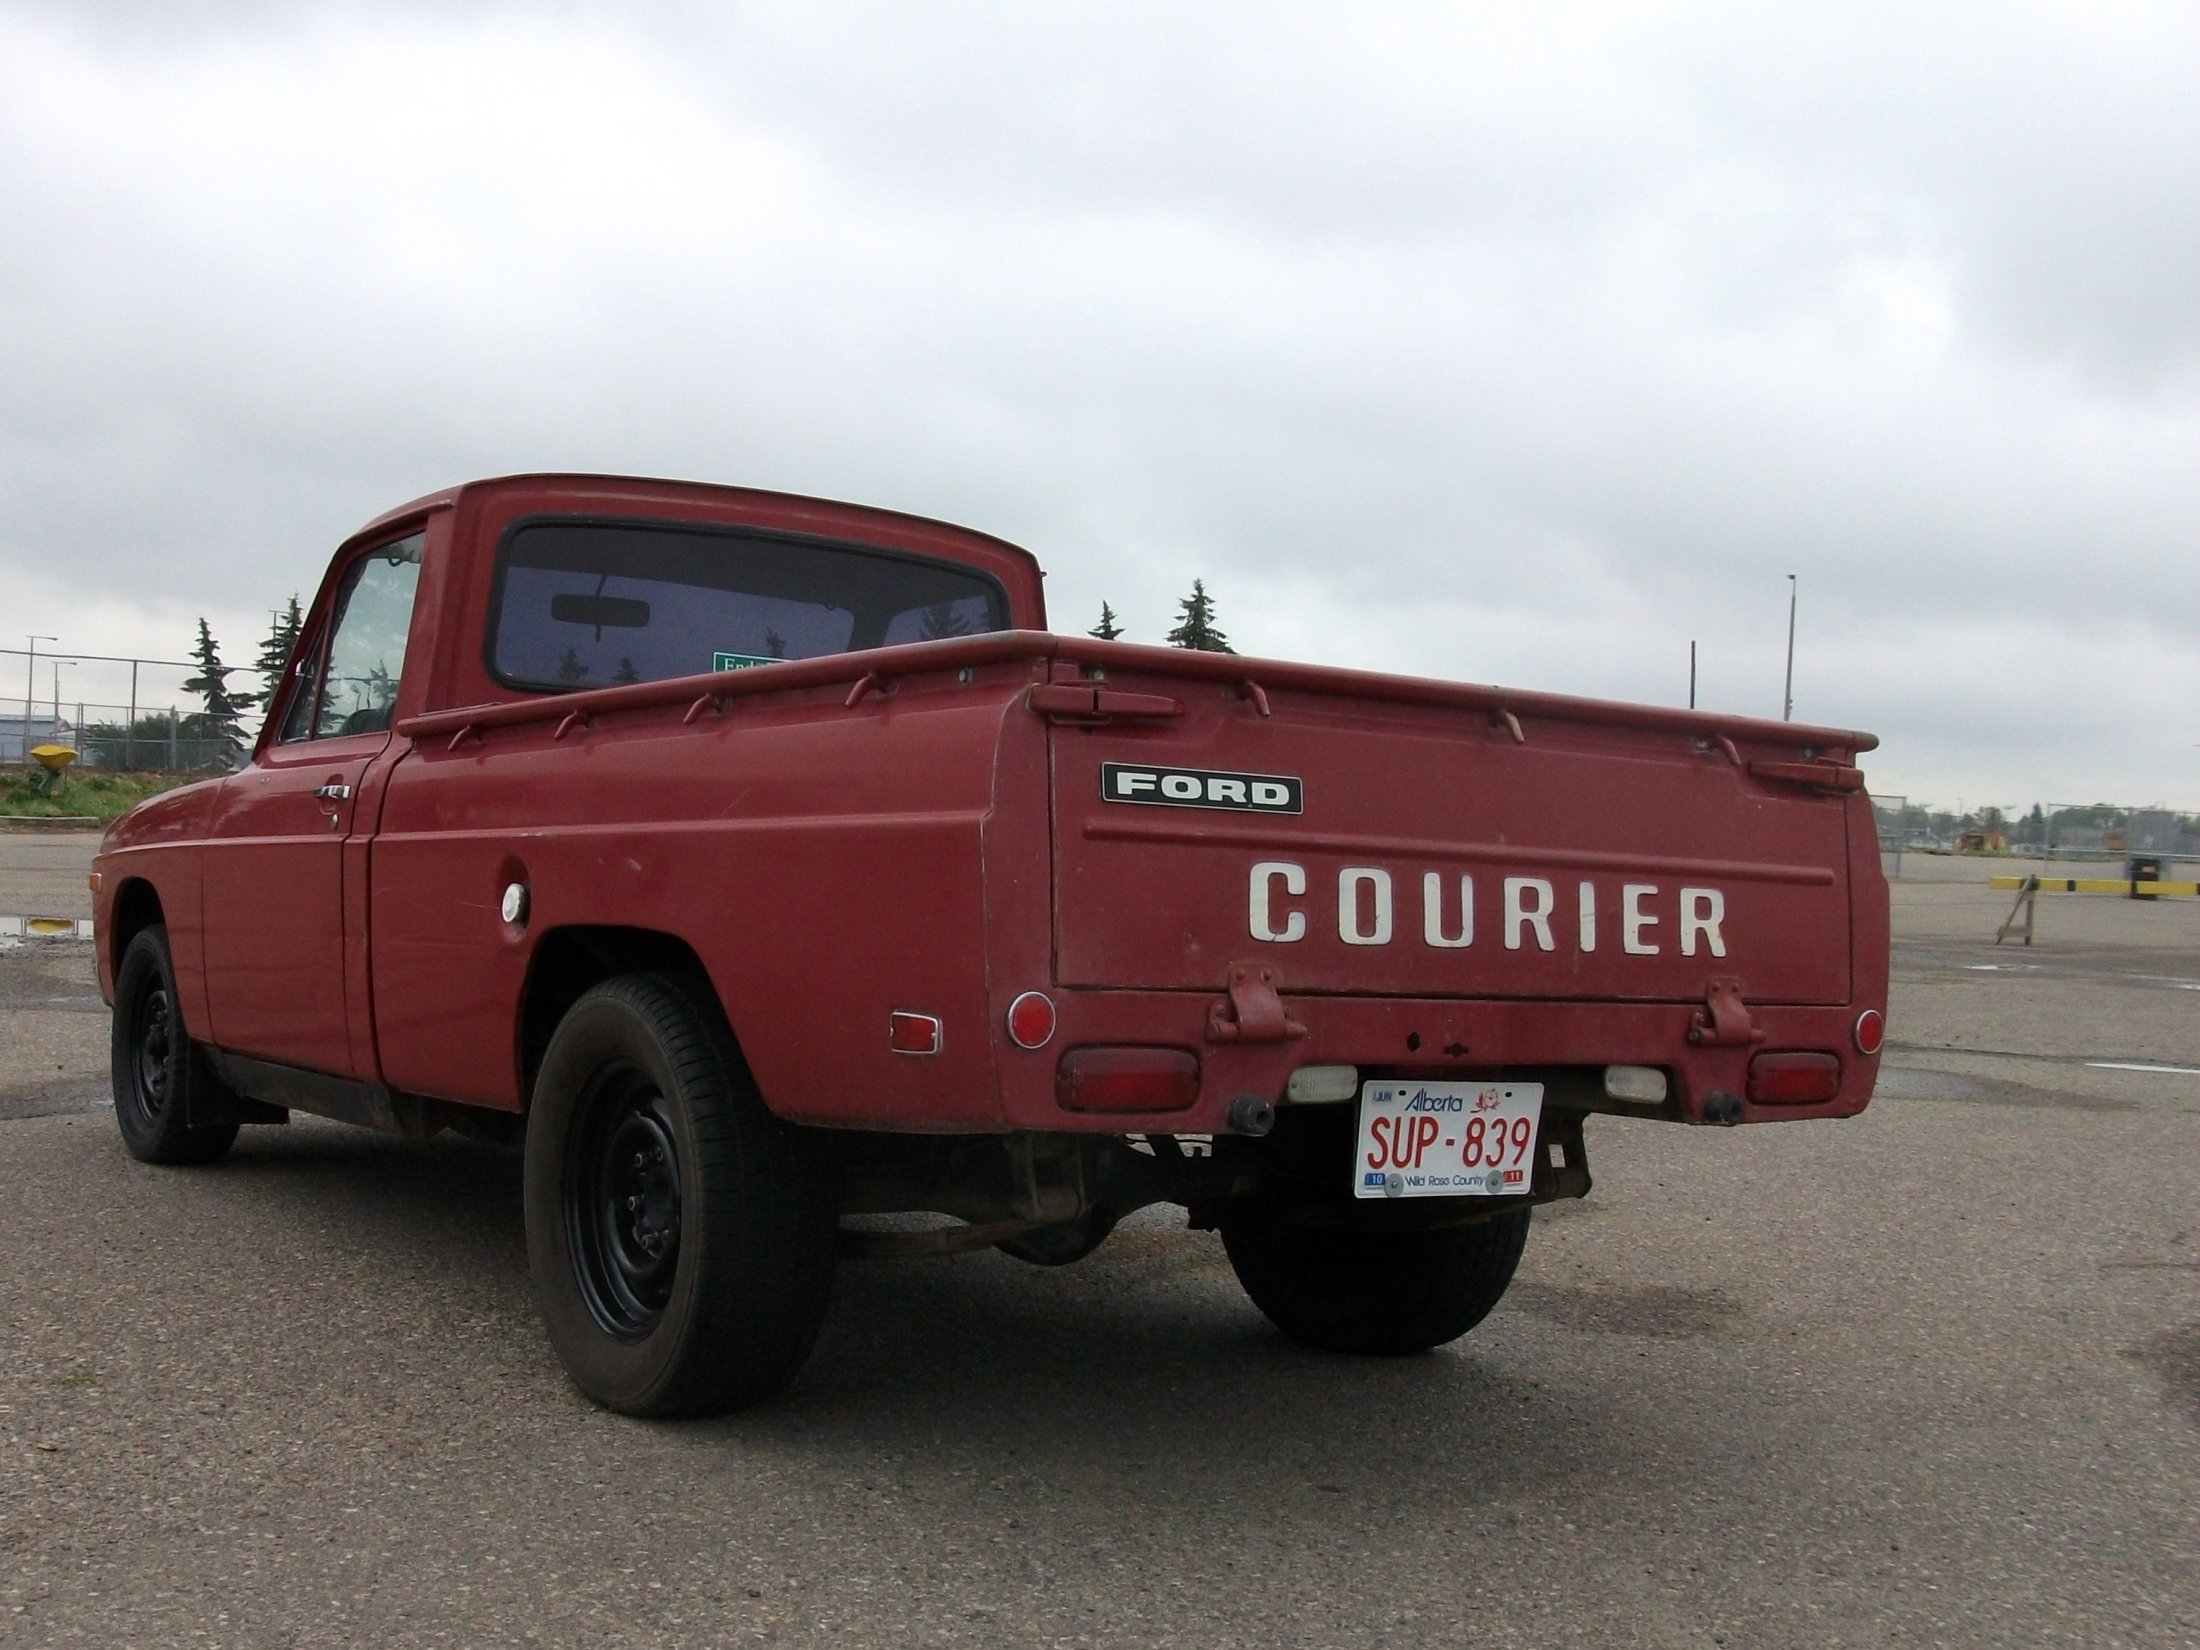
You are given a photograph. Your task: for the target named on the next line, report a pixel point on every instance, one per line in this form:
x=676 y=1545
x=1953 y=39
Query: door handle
x=333 y=792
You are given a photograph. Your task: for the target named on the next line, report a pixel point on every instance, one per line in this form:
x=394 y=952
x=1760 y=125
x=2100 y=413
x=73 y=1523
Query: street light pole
x=30 y=691
x=1787 y=697
x=57 y=664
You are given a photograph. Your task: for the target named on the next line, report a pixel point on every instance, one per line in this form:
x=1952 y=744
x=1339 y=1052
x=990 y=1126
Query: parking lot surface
x=1928 y=1377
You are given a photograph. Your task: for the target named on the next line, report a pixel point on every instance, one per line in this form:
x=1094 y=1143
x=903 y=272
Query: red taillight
x=1031 y=1019
x=908 y=1033
x=1126 y=1079
x=1871 y=1027
x=1794 y=1079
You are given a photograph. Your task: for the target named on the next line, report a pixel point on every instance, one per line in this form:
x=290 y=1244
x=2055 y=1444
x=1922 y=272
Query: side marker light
x=1031 y=1020
x=908 y=1033
x=1871 y=1030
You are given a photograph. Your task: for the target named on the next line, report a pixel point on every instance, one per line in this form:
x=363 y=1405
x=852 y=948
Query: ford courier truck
x=758 y=866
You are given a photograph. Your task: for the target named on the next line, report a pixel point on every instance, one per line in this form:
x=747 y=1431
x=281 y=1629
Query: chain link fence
x=121 y=738
x=115 y=712
x=1888 y=814
x=2104 y=831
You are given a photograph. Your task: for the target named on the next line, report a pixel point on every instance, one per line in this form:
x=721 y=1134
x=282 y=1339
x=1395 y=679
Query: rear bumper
x=1437 y=1038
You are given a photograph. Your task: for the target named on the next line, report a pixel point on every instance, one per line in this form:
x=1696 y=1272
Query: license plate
x=1447 y=1139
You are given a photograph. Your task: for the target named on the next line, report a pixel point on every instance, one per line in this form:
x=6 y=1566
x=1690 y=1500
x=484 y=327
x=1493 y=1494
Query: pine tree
x=570 y=668
x=218 y=724
x=1107 y=629
x=1195 y=628
x=282 y=636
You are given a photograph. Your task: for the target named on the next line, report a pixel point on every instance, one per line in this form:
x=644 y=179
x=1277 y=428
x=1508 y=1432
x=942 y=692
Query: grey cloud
x=1487 y=347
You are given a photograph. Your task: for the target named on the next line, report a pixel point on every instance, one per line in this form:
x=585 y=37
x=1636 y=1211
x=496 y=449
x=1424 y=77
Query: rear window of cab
x=580 y=604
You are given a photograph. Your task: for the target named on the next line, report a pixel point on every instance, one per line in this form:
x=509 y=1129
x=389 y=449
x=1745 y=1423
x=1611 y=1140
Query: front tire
x=157 y=1071
x=679 y=1235
x=1348 y=1289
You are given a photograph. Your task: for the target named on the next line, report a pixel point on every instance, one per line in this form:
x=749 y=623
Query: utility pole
x=1691 y=675
x=1787 y=697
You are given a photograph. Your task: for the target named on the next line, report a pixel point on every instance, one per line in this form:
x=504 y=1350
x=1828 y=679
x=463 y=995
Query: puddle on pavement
x=14 y=931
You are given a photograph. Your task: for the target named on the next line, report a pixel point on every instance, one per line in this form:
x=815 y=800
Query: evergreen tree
x=626 y=673
x=570 y=668
x=282 y=636
x=218 y=723
x=1107 y=629
x=1195 y=628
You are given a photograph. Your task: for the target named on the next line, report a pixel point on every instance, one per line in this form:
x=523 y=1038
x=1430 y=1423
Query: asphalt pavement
x=1928 y=1377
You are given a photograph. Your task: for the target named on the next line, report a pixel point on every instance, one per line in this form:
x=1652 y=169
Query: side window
x=351 y=685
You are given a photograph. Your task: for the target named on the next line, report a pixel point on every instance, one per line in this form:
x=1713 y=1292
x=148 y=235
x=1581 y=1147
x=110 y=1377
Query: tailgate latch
x=1086 y=705
x=1252 y=1013
x=1838 y=778
x=1724 y=1021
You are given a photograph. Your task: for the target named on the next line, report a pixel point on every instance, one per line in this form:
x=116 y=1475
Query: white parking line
x=2133 y=1065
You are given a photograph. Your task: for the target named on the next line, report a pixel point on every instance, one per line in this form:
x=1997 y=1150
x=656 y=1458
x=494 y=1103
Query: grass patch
x=100 y=795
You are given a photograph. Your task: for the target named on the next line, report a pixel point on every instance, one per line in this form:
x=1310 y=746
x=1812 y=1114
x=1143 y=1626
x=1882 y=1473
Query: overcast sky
x=1450 y=340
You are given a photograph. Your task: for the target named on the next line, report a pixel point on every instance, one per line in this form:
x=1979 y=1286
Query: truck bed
x=904 y=829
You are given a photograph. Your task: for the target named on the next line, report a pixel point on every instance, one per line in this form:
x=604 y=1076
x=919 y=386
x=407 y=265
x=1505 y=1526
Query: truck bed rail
x=1256 y=679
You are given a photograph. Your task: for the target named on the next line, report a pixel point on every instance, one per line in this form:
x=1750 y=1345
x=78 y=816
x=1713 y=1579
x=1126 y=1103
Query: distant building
x=44 y=730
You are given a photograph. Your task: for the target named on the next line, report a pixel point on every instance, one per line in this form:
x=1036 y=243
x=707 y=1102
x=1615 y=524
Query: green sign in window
x=740 y=661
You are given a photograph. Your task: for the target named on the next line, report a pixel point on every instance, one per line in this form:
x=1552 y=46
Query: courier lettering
x=1531 y=911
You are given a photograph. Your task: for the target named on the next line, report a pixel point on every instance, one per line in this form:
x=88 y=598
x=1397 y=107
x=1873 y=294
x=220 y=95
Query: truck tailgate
x=1369 y=846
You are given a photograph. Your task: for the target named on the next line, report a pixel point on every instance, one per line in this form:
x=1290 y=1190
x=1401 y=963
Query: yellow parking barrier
x=2142 y=886
x=2029 y=890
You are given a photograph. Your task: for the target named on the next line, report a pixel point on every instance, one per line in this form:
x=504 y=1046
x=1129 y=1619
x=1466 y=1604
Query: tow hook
x=1250 y=1115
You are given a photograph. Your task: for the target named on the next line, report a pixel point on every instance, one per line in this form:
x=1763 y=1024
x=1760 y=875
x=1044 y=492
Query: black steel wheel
x=1358 y=1289
x=157 y=1071
x=622 y=1201
x=679 y=1235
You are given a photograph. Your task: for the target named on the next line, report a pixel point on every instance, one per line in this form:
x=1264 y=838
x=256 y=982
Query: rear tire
x=160 y=1076
x=1383 y=1292
x=679 y=1235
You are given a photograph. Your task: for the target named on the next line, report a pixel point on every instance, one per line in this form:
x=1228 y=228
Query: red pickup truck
x=759 y=864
